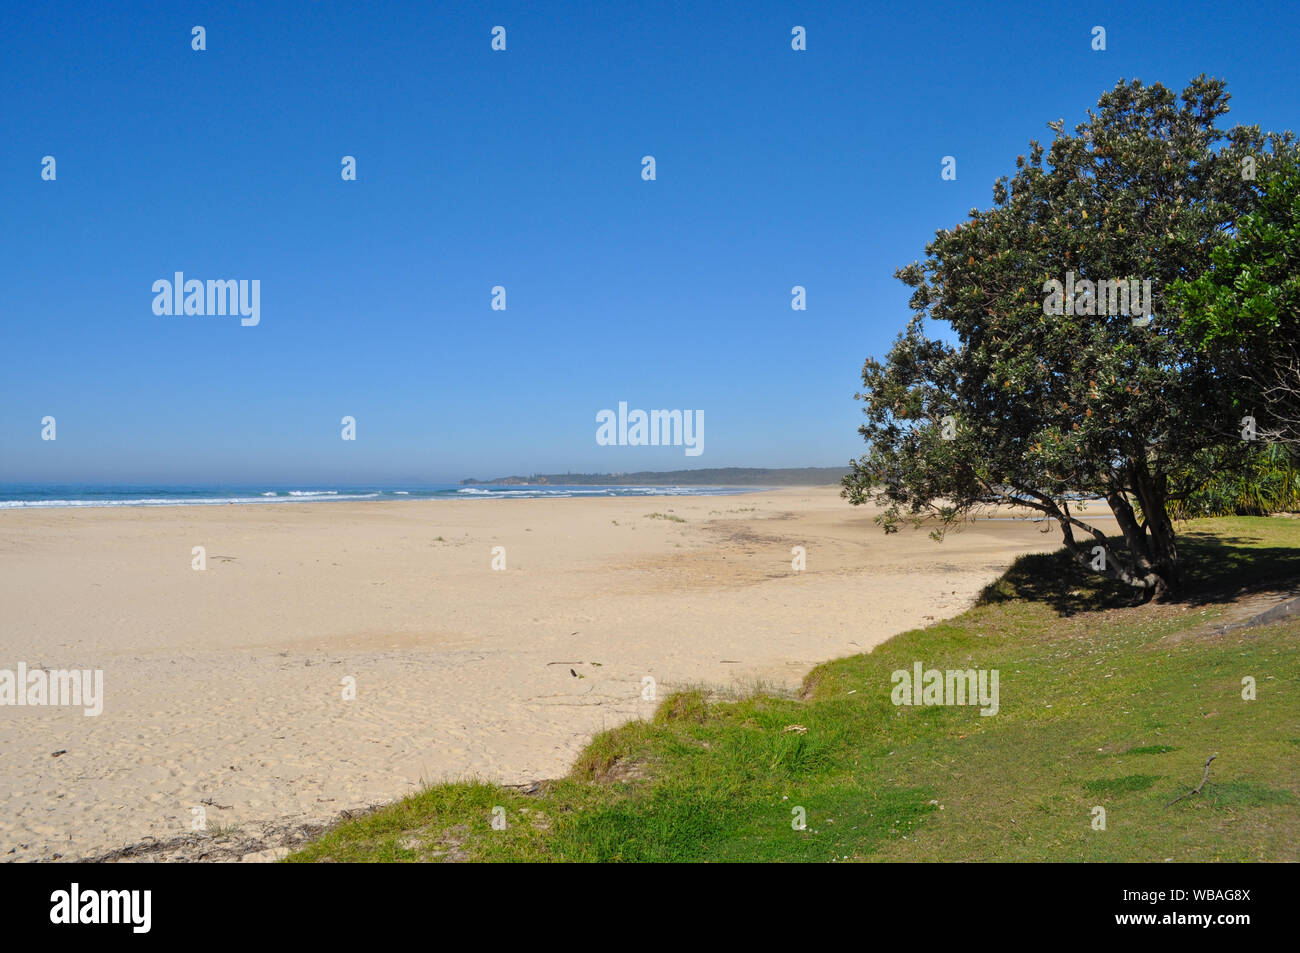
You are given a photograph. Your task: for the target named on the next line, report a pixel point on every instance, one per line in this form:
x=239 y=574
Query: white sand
x=223 y=687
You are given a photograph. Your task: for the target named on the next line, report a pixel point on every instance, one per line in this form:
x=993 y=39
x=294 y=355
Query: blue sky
x=522 y=169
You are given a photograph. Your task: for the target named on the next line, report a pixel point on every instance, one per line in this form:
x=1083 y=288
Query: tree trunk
x=1161 y=546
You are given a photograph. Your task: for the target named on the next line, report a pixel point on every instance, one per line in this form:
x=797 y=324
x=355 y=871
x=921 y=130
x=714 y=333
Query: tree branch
x=1196 y=790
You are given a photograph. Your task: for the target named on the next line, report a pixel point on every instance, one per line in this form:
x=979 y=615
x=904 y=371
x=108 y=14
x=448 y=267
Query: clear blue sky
x=521 y=169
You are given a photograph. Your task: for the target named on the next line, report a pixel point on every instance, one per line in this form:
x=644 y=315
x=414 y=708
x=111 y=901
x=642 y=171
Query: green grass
x=1151 y=749
x=1101 y=704
x=1117 y=787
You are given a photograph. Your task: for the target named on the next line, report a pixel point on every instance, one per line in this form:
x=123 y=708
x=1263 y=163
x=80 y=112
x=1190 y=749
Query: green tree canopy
x=1244 y=312
x=1043 y=408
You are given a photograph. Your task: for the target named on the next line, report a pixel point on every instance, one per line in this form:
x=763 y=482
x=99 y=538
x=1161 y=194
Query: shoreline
x=357 y=495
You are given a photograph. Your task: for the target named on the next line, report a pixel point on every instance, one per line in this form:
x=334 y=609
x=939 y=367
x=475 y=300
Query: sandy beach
x=224 y=688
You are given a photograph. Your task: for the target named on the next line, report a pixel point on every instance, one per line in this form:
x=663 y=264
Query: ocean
x=27 y=495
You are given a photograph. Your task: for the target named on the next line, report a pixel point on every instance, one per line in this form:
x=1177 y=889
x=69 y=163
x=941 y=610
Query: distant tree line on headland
x=718 y=476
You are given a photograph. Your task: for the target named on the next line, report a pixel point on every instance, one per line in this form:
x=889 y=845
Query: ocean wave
x=31 y=497
x=535 y=492
x=180 y=501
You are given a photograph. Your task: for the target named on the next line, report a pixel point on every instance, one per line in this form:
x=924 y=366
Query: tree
x=1267 y=483
x=1245 y=310
x=1043 y=399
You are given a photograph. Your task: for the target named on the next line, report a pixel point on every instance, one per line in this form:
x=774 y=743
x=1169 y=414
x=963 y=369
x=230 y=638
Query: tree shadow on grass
x=1215 y=568
x=1218 y=567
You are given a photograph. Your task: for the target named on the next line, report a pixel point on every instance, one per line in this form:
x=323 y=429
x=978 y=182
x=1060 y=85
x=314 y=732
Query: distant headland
x=720 y=476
